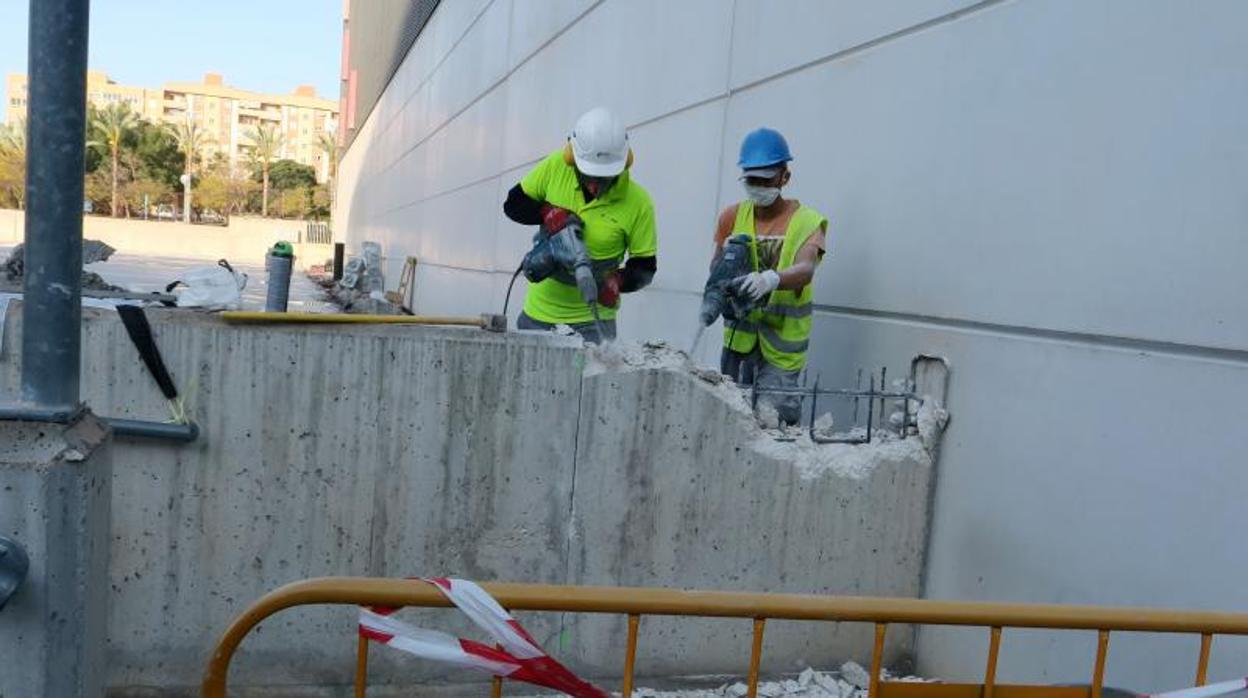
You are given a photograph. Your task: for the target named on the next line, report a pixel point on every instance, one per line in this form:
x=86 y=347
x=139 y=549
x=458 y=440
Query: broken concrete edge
x=811 y=459
x=83 y=436
x=50 y=443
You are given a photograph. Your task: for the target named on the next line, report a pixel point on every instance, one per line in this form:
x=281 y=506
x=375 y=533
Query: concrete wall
x=1045 y=191
x=55 y=497
x=398 y=452
x=245 y=239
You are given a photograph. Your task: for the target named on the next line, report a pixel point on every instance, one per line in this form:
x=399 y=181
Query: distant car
x=87 y=206
x=164 y=212
x=211 y=216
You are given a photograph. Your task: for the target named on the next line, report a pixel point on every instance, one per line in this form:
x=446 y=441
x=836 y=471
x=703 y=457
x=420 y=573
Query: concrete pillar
x=55 y=485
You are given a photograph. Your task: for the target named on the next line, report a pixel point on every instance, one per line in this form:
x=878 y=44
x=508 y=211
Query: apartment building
x=225 y=113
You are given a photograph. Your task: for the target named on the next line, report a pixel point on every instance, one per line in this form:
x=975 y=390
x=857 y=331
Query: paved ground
x=143 y=273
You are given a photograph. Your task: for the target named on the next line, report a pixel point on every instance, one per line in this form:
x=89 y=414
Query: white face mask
x=762 y=196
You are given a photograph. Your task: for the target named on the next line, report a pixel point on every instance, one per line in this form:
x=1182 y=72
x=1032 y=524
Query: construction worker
x=787 y=240
x=588 y=177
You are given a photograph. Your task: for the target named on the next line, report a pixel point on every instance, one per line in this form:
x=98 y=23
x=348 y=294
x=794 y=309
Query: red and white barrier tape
x=1213 y=689
x=518 y=656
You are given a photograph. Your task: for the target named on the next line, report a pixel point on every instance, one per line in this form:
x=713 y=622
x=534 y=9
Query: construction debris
x=811 y=458
x=357 y=302
x=850 y=682
x=92 y=251
x=360 y=292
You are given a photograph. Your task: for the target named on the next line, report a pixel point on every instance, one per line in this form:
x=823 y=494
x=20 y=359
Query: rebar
x=872 y=394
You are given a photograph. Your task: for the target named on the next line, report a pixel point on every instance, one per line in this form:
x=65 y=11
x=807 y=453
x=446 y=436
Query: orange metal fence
x=635 y=603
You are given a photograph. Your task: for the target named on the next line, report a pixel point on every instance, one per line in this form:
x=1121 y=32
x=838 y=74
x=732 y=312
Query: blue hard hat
x=763 y=147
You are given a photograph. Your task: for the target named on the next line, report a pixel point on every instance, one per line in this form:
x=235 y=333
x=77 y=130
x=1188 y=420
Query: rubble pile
x=360 y=290
x=93 y=251
x=850 y=682
x=793 y=444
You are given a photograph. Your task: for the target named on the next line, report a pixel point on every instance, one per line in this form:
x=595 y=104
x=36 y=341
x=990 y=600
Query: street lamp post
x=186 y=197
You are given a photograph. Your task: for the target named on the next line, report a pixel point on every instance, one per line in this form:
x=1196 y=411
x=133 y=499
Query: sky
x=261 y=45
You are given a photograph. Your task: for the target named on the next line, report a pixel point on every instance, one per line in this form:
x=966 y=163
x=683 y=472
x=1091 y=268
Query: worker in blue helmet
x=787 y=241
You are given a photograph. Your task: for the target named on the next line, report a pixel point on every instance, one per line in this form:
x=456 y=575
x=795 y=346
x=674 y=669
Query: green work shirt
x=620 y=221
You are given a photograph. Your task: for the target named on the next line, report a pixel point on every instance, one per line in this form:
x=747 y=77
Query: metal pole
x=56 y=135
x=185 y=179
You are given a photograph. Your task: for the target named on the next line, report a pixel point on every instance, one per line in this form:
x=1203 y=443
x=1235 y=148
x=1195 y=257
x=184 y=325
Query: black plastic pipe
x=120 y=427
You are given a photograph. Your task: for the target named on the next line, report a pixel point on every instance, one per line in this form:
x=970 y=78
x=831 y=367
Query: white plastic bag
x=216 y=288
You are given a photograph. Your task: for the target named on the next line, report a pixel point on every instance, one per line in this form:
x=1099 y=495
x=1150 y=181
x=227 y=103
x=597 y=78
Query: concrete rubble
x=360 y=291
x=357 y=302
x=93 y=251
x=850 y=682
x=792 y=444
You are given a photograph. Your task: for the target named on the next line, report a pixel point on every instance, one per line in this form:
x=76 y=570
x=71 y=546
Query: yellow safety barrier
x=758 y=608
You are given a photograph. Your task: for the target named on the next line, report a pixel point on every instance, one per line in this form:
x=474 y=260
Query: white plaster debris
x=768 y=416
x=658 y=355
x=824 y=425
x=854 y=673
x=634 y=356
x=808 y=684
x=792 y=444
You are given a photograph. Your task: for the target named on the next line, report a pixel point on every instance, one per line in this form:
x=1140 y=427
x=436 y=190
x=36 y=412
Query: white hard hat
x=599 y=144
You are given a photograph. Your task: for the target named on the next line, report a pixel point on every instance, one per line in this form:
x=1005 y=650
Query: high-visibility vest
x=783 y=324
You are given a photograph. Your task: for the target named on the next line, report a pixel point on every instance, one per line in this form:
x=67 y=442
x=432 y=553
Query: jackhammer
x=562 y=255
x=723 y=294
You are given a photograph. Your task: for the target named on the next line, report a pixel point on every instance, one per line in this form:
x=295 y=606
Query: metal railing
x=318 y=233
x=759 y=608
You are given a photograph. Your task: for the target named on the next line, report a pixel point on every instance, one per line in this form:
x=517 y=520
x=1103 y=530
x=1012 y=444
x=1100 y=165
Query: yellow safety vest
x=622 y=220
x=782 y=326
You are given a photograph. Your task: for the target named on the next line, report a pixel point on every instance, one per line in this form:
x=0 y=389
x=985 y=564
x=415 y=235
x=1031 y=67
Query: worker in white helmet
x=588 y=178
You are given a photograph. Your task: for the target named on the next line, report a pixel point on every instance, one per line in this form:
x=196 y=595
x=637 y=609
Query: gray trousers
x=587 y=330
x=753 y=369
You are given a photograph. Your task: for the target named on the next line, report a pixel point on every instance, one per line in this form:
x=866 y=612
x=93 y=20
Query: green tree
x=241 y=191
x=322 y=201
x=13 y=163
x=293 y=202
x=111 y=126
x=213 y=191
x=157 y=154
x=266 y=144
x=288 y=174
x=143 y=191
x=223 y=190
x=96 y=189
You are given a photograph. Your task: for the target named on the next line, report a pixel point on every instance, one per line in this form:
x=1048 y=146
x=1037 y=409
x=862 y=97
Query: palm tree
x=328 y=144
x=267 y=145
x=112 y=124
x=191 y=141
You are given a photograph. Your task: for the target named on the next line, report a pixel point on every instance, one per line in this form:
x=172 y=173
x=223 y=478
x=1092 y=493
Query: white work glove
x=758 y=284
